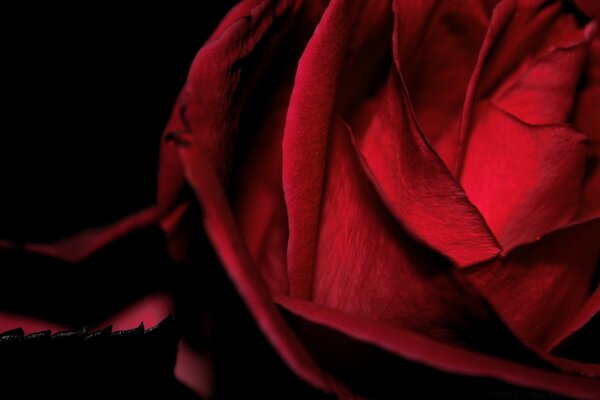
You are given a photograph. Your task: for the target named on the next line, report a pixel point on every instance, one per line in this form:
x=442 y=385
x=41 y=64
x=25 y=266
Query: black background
x=85 y=94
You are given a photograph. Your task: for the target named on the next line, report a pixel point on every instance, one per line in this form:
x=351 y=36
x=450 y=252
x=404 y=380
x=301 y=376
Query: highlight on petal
x=418 y=188
x=28 y=324
x=525 y=179
x=521 y=165
x=415 y=183
x=367 y=265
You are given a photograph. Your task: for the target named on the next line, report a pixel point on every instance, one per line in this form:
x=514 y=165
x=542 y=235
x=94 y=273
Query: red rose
x=403 y=182
x=405 y=195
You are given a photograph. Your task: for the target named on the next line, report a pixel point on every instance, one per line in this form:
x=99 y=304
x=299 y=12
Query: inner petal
x=367 y=265
x=438 y=47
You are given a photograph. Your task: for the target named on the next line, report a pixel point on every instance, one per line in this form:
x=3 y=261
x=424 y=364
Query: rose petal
x=588 y=311
x=582 y=344
x=29 y=324
x=367 y=265
x=42 y=281
x=525 y=179
x=149 y=311
x=587 y=119
x=590 y=7
x=415 y=183
x=438 y=47
x=539 y=90
x=504 y=57
x=414 y=347
x=76 y=248
x=213 y=119
x=306 y=135
x=257 y=187
x=544 y=94
x=547 y=25
x=194 y=370
x=539 y=288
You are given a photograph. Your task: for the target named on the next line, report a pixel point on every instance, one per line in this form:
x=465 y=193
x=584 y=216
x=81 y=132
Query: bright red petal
x=525 y=179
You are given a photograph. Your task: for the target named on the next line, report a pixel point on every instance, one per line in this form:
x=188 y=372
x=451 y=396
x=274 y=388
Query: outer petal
x=82 y=280
x=589 y=311
x=342 y=342
x=212 y=114
x=542 y=290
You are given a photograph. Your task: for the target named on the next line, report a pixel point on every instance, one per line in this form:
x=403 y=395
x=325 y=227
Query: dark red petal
x=212 y=116
x=589 y=310
x=257 y=186
x=438 y=47
x=194 y=370
x=414 y=347
x=545 y=92
x=149 y=311
x=587 y=119
x=81 y=245
x=547 y=25
x=228 y=243
x=505 y=58
x=590 y=7
x=540 y=288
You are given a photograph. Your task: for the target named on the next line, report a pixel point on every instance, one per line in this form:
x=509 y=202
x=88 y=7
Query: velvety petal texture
x=306 y=136
x=535 y=156
x=375 y=194
x=511 y=181
x=212 y=118
x=351 y=176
